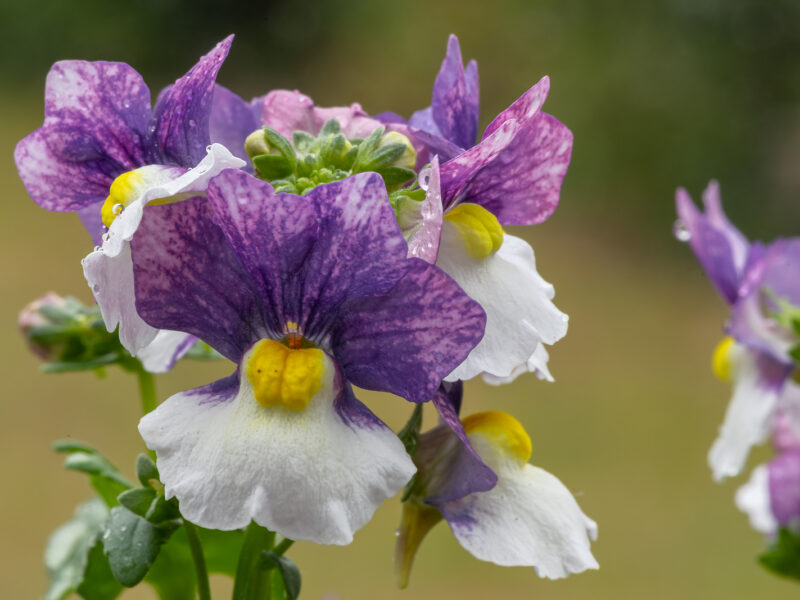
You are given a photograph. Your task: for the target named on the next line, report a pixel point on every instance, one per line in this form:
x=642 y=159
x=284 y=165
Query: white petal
x=109 y=270
x=748 y=419
x=160 y=355
x=519 y=312
x=753 y=499
x=317 y=474
x=536 y=364
x=529 y=519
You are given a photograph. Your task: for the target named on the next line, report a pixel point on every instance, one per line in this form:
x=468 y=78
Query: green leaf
x=409 y=434
x=71 y=556
x=303 y=141
x=331 y=127
x=276 y=140
x=146 y=470
x=795 y=353
x=783 y=556
x=132 y=545
x=137 y=500
x=163 y=512
x=98 y=581
x=272 y=166
x=104 y=476
x=395 y=176
x=88 y=365
x=289 y=573
x=383 y=157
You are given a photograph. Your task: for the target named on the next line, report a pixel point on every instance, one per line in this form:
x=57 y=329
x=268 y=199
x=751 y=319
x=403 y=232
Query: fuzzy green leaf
x=783 y=556
x=132 y=545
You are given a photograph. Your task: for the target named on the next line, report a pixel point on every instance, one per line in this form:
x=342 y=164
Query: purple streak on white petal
x=166 y=349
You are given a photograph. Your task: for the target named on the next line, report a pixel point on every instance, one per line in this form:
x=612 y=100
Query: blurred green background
x=658 y=94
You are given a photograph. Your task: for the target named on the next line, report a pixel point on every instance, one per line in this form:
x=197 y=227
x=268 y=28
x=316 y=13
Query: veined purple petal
x=183 y=111
x=466 y=471
x=784 y=487
x=711 y=243
x=423 y=120
x=93 y=222
x=309 y=254
x=525 y=108
x=522 y=185
x=435 y=145
x=455 y=102
x=188 y=279
x=408 y=339
x=231 y=121
x=95 y=128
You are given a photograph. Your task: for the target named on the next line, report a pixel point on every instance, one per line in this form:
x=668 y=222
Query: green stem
x=252 y=579
x=281 y=548
x=147 y=390
x=203 y=589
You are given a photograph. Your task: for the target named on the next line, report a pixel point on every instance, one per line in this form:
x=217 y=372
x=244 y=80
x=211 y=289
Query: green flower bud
x=408 y=159
x=256 y=144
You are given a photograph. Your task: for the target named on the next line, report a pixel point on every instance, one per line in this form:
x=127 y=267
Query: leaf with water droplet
x=132 y=545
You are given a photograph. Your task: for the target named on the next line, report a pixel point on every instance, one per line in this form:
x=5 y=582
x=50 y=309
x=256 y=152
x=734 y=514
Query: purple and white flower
x=475 y=475
x=759 y=283
x=308 y=295
x=512 y=176
x=103 y=153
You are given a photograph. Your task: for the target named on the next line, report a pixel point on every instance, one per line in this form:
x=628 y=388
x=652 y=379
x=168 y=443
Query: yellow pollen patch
x=123 y=191
x=721 y=359
x=480 y=229
x=283 y=375
x=502 y=430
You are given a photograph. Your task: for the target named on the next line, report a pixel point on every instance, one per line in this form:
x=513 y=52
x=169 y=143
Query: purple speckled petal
x=182 y=113
x=455 y=103
x=188 y=279
x=435 y=144
x=522 y=185
x=710 y=244
x=466 y=472
x=784 y=487
x=423 y=120
x=424 y=242
x=524 y=109
x=407 y=340
x=231 y=121
x=93 y=222
x=95 y=128
x=309 y=254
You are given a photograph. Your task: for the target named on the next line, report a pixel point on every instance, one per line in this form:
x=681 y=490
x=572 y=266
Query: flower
x=308 y=295
x=771 y=498
x=760 y=285
x=475 y=475
x=103 y=153
x=511 y=177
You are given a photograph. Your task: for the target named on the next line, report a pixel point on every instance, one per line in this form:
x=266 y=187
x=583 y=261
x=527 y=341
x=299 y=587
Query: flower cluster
x=320 y=249
x=759 y=356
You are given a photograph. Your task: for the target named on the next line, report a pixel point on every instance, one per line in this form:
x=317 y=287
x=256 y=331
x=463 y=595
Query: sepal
x=783 y=555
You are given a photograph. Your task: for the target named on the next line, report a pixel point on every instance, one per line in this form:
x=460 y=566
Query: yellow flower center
x=286 y=376
x=479 y=229
x=129 y=186
x=502 y=430
x=721 y=359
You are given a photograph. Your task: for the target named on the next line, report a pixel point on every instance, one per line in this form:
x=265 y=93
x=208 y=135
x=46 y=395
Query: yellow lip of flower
x=721 y=363
x=479 y=229
x=285 y=376
x=502 y=430
x=129 y=186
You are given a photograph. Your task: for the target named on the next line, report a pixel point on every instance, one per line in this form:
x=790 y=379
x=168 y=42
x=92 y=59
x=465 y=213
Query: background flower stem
x=203 y=589
x=252 y=579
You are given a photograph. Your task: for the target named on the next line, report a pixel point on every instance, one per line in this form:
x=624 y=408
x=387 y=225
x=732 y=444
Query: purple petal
x=183 y=111
x=712 y=202
x=231 y=121
x=710 y=245
x=406 y=341
x=467 y=473
x=784 y=487
x=435 y=145
x=288 y=111
x=93 y=222
x=423 y=120
x=525 y=108
x=388 y=117
x=95 y=128
x=309 y=254
x=424 y=242
x=455 y=103
x=188 y=279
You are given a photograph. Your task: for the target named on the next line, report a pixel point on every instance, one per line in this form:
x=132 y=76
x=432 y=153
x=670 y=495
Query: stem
x=147 y=390
x=281 y=548
x=252 y=579
x=203 y=589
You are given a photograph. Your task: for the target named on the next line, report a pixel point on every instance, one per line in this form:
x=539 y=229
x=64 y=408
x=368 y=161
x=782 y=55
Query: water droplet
x=397 y=532
x=208 y=148
x=118 y=208
x=424 y=179
x=126 y=104
x=95 y=288
x=681 y=232
x=106 y=237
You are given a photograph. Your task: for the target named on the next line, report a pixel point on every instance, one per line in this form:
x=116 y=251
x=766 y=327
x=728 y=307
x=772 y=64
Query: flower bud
x=33 y=324
x=408 y=159
x=256 y=144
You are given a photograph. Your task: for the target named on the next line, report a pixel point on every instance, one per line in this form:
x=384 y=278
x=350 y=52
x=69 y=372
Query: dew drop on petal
x=208 y=148
x=681 y=232
x=192 y=123
x=118 y=208
x=424 y=179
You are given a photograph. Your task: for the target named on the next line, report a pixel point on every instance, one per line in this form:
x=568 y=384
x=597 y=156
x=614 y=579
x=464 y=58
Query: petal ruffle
x=183 y=110
x=317 y=474
x=519 y=312
x=408 y=339
x=95 y=128
x=753 y=499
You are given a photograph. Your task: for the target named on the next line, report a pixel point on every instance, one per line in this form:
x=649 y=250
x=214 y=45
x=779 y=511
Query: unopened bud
x=256 y=144
x=408 y=159
x=33 y=322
